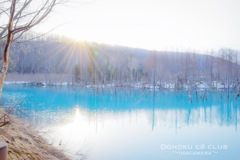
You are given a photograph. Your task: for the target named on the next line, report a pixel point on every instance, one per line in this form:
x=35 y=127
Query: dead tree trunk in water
x=154 y=76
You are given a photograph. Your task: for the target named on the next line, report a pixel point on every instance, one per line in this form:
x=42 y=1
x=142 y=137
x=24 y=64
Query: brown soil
x=26 y=144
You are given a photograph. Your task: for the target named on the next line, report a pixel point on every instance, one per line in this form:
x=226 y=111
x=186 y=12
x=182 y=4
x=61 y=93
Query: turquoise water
x=128 y=124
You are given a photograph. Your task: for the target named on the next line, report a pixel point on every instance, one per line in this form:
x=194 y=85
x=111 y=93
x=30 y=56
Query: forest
x=88 y=63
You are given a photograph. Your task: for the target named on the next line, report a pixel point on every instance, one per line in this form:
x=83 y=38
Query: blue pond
x=127 y=124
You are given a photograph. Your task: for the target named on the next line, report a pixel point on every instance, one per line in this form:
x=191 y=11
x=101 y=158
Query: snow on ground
x=139 y=85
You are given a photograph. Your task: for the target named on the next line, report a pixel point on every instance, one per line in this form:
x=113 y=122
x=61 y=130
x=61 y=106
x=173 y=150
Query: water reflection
x=107 y=124
x=131 y=131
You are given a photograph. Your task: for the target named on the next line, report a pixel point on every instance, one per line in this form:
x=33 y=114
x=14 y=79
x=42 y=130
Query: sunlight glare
x=77 y=115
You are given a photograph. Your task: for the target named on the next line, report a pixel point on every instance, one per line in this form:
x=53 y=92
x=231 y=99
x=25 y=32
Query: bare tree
x=18 y=17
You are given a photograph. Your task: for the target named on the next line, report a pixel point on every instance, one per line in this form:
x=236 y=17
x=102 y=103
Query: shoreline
x=65 y=80
x=166 y=87
x=24 y=143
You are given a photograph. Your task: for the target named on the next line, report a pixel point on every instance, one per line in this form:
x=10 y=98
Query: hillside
x=92 y=63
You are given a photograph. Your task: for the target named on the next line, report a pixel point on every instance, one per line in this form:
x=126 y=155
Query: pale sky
x=151 y=24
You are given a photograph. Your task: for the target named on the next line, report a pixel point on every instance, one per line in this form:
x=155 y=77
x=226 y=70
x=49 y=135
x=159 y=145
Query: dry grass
x=39 y=77
x=25 y=144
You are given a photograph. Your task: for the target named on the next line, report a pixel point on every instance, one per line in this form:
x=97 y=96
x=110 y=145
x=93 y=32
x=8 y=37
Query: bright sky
x=152 y=24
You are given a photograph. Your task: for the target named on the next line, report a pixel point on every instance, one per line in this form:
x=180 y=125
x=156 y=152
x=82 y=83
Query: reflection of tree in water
x=170 y=108
x=223 y=113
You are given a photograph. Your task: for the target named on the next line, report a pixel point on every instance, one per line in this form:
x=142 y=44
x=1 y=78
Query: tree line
x=93 y=63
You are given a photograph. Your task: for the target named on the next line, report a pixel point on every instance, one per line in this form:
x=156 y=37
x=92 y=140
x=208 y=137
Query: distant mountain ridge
x=94 y=63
